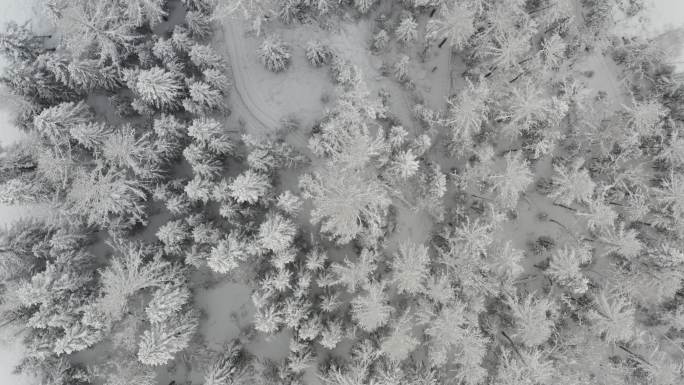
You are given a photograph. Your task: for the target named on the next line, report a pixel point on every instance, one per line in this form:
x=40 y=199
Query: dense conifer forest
x=343 y=192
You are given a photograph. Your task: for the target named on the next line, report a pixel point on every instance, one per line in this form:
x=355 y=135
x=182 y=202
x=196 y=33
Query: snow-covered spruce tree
x=380 y=40
x=565 y=269
x=400 y=342
x=332 y=334
x=355 y=274
x=167 y=301
x=613 y=317
x=514 y=179
x=370 y=308
x=456 y=24
x=573 y=184
x=268 y=156
x=622 y=241
x=204 y=163
x=468 y=111
x=217 y=79
x=123 y=149
x=404 y=165
x=82 y=75
x=100 y=195
x=364 y=6
x=276 y=233
x=173 y=235
x=198 y=24
x=163 y=340
x=55 y=122
x=454 y=337
x=205 y=57
x=249 y=187
x=128 y=273
x=401 y=68
x=199 y=189
x=410 y=268
x=159 y=88
x=203 y=98
x=317 y=53
x=532 y=324
x=124 y=370
x=141 y=12
x=345 y=202
x=527 y=367
x=289 y=203
x=91 y=135
x=98 y=27
x=407 y=31
x=211 y=133
x=228 y=254
x=274 y=54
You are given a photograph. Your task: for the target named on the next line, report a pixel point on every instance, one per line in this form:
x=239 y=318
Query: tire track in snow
x=233 y=45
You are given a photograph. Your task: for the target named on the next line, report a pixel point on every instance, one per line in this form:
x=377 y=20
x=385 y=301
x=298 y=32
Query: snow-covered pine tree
x=274 y=54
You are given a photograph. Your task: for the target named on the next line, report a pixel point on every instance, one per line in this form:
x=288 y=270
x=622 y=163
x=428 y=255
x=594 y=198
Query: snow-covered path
x=259 y=98
x=232 y=38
